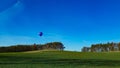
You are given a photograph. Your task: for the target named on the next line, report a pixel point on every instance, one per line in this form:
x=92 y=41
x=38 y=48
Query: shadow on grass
x=43 y=60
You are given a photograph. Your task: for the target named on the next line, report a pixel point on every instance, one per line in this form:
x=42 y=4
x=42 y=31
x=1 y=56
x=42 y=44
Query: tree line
x=22 y=48
x=106 y=47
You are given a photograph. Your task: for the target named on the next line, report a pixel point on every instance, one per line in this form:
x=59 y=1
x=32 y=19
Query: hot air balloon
x=41 y=34
x=5 y=4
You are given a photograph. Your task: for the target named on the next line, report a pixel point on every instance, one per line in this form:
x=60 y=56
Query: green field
x=59 y=59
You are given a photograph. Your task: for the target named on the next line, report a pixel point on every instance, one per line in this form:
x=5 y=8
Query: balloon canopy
x=5 y=4
x=41 y=34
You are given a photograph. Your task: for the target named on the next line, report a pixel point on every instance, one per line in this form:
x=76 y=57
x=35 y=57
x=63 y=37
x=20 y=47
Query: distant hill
x=23 y=47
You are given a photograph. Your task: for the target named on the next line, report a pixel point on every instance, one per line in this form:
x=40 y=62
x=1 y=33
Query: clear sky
x=75 y=23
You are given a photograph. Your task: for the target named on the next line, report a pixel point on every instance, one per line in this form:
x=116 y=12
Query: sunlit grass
x=59 y=59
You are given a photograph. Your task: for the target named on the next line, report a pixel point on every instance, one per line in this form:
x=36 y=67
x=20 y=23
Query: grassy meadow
x=59 y=59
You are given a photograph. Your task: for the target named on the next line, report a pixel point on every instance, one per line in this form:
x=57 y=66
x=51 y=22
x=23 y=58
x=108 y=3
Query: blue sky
x=75 y=23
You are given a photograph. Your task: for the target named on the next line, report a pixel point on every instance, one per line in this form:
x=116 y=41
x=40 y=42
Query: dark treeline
x=102 y=47
x=21 y=48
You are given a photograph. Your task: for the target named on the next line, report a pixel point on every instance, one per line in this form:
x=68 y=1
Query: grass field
x=59 y=59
